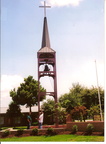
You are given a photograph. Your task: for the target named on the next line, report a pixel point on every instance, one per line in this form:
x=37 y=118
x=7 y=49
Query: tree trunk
x=30 y=109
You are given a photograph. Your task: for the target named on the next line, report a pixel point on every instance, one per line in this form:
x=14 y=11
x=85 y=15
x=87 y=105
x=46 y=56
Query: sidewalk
x=29 y=131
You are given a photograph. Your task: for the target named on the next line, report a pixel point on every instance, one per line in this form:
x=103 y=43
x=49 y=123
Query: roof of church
x=45 y=47
x=23 y=109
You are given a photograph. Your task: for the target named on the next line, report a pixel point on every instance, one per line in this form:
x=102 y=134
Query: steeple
x=45 y=46
x=45 y=36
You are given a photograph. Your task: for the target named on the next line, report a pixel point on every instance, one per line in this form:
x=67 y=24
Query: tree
x=95 y=99
x=71 y=99
x=49 y=109
x=89 y=97
x=13 y=111
x=67 y=101
x=79 y=113
x=27 y=93
x=94 y=110
x=49 y=106
x=86 y=98
x=80 y=95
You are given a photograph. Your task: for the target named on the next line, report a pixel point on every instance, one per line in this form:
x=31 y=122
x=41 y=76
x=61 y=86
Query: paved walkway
x=10 y=129
x=32 y=127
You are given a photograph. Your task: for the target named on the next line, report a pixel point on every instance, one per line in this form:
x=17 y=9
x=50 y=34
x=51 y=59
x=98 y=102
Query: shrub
x=20 y=132
x=50 y=131
x=89 y=129
x=34 y=131
x=74 y=129
x=5 y=133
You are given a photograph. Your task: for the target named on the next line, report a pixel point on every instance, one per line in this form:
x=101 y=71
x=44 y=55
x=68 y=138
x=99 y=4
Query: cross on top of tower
x=45 y=8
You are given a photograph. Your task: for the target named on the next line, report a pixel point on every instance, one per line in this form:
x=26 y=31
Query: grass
x=56 y=138
x=3 y=128
x=17 y=127
x=20 y=127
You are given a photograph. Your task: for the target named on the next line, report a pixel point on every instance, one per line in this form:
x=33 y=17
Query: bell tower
x=47 y=58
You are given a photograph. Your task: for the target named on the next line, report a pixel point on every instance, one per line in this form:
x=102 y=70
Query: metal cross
x=45 y=8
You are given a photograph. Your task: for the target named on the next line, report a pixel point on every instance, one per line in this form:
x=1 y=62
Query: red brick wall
x=98 y=126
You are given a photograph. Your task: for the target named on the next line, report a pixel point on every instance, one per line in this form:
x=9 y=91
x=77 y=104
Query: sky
x=76 y=30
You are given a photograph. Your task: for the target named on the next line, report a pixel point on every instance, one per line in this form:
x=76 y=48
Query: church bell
x=46 y=68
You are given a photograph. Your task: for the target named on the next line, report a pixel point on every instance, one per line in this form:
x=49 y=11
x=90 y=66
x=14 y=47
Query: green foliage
x=79 y=113
x=71 y=99
x=20 y=127
x=14 y=110
x=19 y=132
x=94 y=110
x=74 y=129
x=68 y=101
x=80 y=95
x=5 y=133
x=49 y=108
x=61 y=114
x=89 y=129
x=34 y=123
x=50 y=131
x=34 y=132
x=80 y=101
x=90 y=97
x=27 y=93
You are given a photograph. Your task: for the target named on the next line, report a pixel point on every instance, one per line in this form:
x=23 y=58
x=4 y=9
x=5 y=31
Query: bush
x=5 y=133
x=74 y=129
x=89 y=129
x=50 y=131
x=20 y=132
x=34 y=132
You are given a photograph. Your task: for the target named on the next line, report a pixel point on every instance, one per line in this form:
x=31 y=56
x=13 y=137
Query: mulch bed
x=52 y=126
x=61 y=133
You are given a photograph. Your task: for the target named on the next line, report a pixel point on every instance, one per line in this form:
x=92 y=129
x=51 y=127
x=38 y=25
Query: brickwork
x=98 y=126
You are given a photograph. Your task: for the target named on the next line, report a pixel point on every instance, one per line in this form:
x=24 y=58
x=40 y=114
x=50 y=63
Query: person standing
x=29 y=120
x=41 y=115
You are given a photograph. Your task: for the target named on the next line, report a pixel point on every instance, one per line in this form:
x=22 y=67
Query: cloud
x=62 y=3
x=8 y=82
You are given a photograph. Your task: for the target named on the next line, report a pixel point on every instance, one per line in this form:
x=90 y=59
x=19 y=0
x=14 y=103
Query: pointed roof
x=45 y=37
x=45 y=47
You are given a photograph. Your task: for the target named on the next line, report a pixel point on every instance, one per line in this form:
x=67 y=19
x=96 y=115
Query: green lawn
x=17 y=127
x=56 y=138
x=20 y=127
